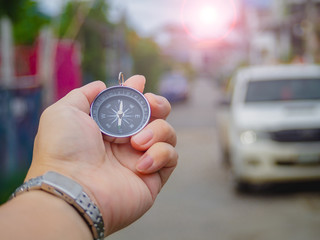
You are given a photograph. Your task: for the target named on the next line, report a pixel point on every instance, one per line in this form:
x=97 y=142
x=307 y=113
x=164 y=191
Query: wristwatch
x=70 y=191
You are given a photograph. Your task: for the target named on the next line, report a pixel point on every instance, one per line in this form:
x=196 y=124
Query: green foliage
x=9 y=183
x=147 y=60
x=11 y=9
x=93 y=35
x=87 y=23
x=66 y=19
x=27 y=28
x=26 y=18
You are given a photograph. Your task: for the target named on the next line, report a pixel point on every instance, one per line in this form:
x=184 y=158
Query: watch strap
x=70 y=191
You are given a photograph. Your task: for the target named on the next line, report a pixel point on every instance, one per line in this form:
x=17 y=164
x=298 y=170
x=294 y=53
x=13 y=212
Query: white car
x=274 y=129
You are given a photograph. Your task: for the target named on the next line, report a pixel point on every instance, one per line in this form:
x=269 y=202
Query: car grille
x=297 y=135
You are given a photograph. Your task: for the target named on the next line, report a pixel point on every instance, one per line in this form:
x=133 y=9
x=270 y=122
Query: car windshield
x=283 y=90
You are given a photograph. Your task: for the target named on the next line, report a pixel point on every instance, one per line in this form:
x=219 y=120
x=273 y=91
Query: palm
x=114 y=167
x=70 y=142
x=120 y=175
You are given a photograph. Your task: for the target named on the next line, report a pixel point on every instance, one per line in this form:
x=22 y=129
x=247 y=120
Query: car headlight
x=250 y=137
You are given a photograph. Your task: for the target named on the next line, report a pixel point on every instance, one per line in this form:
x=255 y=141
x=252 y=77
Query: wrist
x=44 y=215
x=85 y=179
x=72 y=193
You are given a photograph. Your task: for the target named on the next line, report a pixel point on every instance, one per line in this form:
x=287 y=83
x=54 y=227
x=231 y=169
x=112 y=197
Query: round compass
x=120 y=111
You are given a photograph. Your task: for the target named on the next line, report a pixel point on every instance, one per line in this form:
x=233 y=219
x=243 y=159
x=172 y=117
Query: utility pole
x=7 y=72
x=311 y=43
x=7 y=82
x=46 y=63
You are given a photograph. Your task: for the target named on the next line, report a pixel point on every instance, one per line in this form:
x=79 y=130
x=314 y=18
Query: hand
x=123 y=179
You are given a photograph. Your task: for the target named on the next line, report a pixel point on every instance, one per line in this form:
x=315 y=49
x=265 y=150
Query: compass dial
x=120 y=111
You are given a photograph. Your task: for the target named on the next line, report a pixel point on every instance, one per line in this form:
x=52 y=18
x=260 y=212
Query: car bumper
x=275 y=162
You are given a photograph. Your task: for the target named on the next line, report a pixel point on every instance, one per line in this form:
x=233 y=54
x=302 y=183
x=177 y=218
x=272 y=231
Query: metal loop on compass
x=121 y=79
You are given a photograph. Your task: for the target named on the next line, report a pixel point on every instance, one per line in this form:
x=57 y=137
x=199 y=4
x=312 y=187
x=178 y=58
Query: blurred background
x=253 y=181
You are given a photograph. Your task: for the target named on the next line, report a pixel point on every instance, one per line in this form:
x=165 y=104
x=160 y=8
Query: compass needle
x=121 y=106
x=119 y=122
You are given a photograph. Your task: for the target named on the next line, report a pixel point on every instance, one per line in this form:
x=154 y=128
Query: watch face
x=120 y=111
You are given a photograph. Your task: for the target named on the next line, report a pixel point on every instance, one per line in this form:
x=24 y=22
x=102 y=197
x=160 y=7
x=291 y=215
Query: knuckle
x=166 y=131
x=168 y=154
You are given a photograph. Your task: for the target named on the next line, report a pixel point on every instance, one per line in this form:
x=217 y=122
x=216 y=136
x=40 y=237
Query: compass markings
x=121 y=112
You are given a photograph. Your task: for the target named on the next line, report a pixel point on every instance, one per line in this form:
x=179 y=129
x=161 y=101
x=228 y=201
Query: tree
x=87 y=22
x=26 y=17
x=147 y=59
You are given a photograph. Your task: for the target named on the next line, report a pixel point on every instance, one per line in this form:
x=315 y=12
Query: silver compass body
x=120 y=111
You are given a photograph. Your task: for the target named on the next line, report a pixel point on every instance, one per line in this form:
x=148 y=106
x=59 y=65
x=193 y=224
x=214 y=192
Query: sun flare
x=207 y=15
x=209 y=20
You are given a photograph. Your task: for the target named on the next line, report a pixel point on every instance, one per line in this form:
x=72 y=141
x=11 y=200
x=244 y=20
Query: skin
x=122 y=176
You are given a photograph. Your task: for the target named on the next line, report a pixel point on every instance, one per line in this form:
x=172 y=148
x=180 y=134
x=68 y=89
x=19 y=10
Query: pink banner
x=67 y=68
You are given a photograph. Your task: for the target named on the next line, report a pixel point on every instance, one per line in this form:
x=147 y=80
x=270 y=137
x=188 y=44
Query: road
x=198 y=202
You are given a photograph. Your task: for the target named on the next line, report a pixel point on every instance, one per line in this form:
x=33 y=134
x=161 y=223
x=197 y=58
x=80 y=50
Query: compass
x=120 y=111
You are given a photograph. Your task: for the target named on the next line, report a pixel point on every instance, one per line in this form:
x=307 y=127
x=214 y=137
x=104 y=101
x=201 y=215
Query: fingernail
x=143 y=137
x=144 y=163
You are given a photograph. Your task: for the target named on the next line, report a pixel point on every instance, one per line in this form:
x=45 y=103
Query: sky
x=148 y=16
x=51 y=7
x=144 y=15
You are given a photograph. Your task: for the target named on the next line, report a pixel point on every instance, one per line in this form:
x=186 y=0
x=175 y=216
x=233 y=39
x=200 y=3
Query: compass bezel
x=101 y=98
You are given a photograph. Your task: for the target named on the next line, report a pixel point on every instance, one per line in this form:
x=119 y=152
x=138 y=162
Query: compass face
x=120 y=111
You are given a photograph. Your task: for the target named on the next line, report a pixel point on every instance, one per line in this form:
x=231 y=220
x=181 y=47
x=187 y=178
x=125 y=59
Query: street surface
x=199 y=203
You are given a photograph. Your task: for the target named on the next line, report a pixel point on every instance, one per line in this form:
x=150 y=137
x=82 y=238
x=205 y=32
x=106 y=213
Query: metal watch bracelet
x=70 y=191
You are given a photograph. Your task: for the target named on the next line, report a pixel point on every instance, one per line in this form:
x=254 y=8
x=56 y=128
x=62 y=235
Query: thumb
x=81 y=98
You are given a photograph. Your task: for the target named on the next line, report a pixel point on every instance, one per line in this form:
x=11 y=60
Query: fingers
x=160 y=157
x=156 y=131
x=81 y=98
x=160 y=109
x=136 y=82
x=160 y=106
x=91 y=90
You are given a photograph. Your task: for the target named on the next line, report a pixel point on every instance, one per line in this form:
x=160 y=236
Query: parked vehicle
x=274 y=129
x=174 y=86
